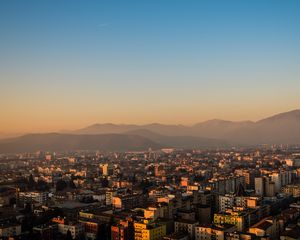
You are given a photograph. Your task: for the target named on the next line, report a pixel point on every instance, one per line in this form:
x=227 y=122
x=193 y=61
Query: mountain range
x=277 y=129
x=280 y=128
x=70 y=142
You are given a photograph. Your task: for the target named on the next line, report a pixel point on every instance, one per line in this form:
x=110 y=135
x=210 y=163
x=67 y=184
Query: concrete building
x=187 y=226
x=292 y=189
x=129 y=201
x=238 y=218
x=213 y=232
x=124 y=230
x=46 y=231
x=76 y=229
x=268 y=227
x=149 y=230
x=107 y=169
x=29 y=197
x=177 y=236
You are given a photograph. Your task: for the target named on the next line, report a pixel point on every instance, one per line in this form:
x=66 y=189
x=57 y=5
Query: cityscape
x=149 y=120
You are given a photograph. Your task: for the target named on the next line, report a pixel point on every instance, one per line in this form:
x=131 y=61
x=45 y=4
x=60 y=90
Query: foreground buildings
x=167 y=194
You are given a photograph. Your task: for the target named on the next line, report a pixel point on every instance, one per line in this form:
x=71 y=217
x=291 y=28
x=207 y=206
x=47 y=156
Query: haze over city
x=66 y=65
x=149 y=120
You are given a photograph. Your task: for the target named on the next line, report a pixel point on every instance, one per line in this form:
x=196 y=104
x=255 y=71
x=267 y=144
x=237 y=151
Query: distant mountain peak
x=101 y=124
x=71 y=142
x=279 y=128
x=215 y=121
x=294 y=114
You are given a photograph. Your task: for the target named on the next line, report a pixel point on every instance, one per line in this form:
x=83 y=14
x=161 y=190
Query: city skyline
x=66 y=66
x=149 y=120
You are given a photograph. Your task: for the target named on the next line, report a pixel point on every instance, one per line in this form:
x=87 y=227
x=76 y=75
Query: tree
x=72 y=185
x=133 y=178
x=104 y=182
x=42 y=185
x=12 y=201
x=28 y=208
x=61 y=185
x=145 y=184
x=31 y=182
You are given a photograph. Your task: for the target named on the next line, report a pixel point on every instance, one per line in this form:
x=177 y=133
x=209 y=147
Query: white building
x=213 y=232
x=76 y=229
x=40 y=197
x=187 y=226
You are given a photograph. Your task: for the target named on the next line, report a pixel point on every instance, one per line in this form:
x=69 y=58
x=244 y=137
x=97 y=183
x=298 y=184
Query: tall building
x=260 y=186
x=203 y=214
x=124 y=230
x=239 y=199
x=249 y=175
x=187 y=226
x=223 y=185
x=107 y=169
x=264 y=187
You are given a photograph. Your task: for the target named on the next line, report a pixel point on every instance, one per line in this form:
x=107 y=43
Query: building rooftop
x=186 y=221
x=220 y=227
x=294 y=233
x=177 y=235
x=264 y=225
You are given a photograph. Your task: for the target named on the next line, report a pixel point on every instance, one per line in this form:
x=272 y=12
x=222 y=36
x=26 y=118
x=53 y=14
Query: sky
x=68 y=64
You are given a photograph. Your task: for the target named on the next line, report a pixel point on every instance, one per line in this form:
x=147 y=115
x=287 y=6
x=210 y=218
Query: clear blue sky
x=170 y=61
